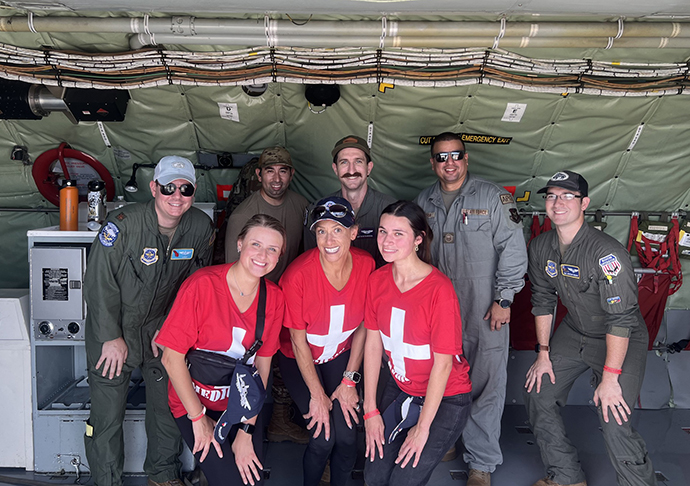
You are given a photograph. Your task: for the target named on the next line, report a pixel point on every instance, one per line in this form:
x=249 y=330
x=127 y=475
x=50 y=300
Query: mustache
x=354 y=174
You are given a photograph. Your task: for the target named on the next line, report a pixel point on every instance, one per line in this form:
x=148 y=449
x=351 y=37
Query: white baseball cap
x=173 y=167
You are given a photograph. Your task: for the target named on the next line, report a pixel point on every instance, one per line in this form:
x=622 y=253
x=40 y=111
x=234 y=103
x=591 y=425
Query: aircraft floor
x=667 y=433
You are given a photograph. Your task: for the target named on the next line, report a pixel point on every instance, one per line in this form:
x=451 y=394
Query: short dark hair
x=447 y=137
x=417 y=219
x=264 y=221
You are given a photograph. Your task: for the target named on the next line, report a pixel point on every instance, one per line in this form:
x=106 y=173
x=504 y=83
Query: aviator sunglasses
x=187 y=190
x=336 y=210
x=443 y=156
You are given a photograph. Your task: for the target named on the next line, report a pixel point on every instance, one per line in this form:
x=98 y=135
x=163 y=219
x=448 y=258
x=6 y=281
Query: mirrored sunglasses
x=187 y=190
x=443 y=156
x=335 y=210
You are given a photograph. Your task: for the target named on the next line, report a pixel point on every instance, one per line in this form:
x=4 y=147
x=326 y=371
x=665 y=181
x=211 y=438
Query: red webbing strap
x=536 y=229
x=674 y=258
x=634 y=228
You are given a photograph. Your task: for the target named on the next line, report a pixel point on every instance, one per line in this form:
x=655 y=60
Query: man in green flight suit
x=140 y=258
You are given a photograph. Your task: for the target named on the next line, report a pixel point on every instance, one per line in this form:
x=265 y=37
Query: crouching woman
x=217 y=313
x=413 y=316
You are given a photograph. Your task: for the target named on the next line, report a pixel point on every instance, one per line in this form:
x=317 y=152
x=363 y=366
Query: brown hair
x=417 y=219
x=264 y=221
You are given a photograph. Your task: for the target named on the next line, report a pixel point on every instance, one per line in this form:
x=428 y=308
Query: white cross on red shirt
x=398 y=348
x=236 y=349
x=331 y=341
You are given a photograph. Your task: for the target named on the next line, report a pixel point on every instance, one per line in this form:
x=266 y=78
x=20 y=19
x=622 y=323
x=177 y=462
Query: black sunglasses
x=336 y=210
x=443 y=156
x=187 y=190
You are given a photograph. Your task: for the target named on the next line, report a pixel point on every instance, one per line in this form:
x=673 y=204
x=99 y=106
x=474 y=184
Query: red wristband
x=349 y=383
x=198 y=417
x=371 y=414
x=612 y=370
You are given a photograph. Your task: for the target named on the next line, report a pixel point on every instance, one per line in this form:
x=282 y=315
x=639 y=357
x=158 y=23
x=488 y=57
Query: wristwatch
x=248 y=428
x=504 y=303
x=540 y=347
x=352 y=376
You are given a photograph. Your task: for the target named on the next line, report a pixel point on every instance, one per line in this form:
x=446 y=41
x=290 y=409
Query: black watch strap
x=248 y=428
x=540 y=347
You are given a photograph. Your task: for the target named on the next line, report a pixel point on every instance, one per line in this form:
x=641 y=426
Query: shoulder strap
x=260 y=321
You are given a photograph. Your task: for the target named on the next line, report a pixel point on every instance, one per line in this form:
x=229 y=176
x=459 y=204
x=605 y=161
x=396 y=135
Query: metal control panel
x=57 y=303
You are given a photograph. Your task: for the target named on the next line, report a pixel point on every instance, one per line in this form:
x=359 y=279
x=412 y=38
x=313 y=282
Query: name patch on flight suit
x=150 y=256
x=108 y=234
x=475 y=212
x=448 y=237
x=365 y=233
x=610 y=265
x=551 y=269
x=571 y=271
x=182 y=254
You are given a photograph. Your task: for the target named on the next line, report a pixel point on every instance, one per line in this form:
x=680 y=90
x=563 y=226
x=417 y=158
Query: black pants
x=445 y=430
x=341 y=449
x=222 y=471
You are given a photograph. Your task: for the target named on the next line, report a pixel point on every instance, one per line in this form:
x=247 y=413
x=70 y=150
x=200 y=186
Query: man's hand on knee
x=538 y=369
x=113 y=356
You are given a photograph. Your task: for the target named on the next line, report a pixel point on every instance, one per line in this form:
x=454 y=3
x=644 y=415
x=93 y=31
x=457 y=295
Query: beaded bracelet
x=612 y=370
x=371 y=414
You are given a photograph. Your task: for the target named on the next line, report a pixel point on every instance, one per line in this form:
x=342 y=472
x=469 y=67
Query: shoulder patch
x=551 y=269
x=149 y=256
x=515 y=216
x=507 y=199
x=610 y=265
x=109 y=234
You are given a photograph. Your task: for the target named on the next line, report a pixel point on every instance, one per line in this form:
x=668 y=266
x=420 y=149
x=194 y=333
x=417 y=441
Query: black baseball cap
x=567 y=180
x=335 y=209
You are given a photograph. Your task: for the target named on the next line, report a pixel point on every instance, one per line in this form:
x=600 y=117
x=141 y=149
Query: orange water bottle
x=69 y=203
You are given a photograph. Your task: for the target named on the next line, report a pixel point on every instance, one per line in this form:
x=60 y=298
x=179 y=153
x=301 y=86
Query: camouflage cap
x=275 y=156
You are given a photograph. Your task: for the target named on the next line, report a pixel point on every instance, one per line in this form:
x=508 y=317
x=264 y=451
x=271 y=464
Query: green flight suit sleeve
x=618 y=292
x=101 y=287
x=544 y=297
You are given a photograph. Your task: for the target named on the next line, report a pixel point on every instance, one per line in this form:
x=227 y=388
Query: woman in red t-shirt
x=412 y=316
x=215 y=310
x=323 y=340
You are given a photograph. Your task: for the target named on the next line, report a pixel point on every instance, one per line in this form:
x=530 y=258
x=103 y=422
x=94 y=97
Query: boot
x=550 y=482
x=281 y=428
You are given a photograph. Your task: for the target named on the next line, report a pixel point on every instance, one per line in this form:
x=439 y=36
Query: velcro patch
x=109 y=234
x=448 y=237
x=572 y=271
x=476 y=212
x=149 y=256
x=551 y=269
x=610 y=265
x=507 y=199
x=614 y=300
x=121 y=216
x=182 y=254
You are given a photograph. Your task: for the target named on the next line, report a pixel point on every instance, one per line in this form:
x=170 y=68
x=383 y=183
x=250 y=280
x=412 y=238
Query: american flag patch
x=610 y=265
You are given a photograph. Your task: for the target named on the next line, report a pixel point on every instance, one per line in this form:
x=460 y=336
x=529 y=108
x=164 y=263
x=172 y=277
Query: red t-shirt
x=204 y=316
x=416 y=324
x=329 y=316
